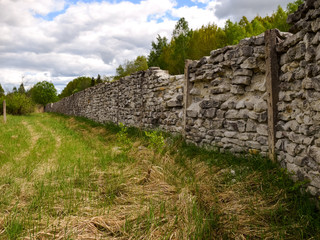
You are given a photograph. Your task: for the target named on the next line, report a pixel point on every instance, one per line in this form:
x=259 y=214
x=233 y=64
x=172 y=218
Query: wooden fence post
x=186 y=99
x=4 y=111
x=272 y=84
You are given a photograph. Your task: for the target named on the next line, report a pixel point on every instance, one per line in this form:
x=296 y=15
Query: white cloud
x=94 y=37
x=235 y=9
x=197 y=17
x=201 y=1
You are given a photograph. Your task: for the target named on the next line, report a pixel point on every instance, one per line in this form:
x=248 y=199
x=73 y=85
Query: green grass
x=70 y=178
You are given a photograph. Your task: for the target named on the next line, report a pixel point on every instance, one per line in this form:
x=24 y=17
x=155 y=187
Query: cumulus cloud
x=200 y=1
x=86 y=39
x=235 y=9
x=94 y=37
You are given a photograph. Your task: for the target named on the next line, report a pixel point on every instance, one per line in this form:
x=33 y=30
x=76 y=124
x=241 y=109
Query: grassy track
x=69 y=178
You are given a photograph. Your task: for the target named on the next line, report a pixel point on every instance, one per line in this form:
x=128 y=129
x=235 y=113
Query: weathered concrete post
x=4 y=111
x=187 y=88
x=272 y=84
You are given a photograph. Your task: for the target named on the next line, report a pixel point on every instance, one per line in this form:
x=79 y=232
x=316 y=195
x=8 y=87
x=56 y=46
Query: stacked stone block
x=147 y=99
x=225 y=103
x=228 y=98
x=298 y=135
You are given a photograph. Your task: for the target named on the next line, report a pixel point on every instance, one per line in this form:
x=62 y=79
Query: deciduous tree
x=44 y=92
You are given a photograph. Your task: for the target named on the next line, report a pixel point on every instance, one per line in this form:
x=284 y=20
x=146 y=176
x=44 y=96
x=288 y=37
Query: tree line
x=21 y=101
x=185 y=43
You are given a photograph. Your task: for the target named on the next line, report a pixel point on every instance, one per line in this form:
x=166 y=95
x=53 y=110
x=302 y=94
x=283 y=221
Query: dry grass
x=88 y=187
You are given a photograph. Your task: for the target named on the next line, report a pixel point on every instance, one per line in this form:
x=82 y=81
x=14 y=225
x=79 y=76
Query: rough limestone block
x=314 y=177
x=237 y=89
x=216 y=59
x=262 y=129
x=318 y=54
x=241 y=125
x=314 y=152
x=210 y=113
x=301 y=25
x=259 y=40
x=253 y=145
x=260 y=106
x=216 y=82
x=250 y=63
x=262 y=117
x=315 y=25
x=262 y=140
x=246 y=51
x=171 y=104
x=195 y=91
x=231 y=125
x=316 y=39
x=312 y=190
x=229 y=134
x=300 y=51
x=220 y=114
x=232 y=114
x=205 y=104
x=243 y=72
x=251 y=126
x=220 y=89
x=241 y=104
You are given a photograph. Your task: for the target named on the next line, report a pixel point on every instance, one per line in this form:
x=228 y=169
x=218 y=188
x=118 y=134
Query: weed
x=123 y=139
x=13 y=224
x=156 y=141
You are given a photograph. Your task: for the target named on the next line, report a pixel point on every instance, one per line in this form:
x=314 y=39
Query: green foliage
x=156 y=141
x=194 y=44
x=1 y=91
x=93 y=82
x=292 y=7
x=76 y=85
x=18 y=104
x=98 y=80
x=14 y=90
x=179 y=46
x=188 y=199
x=14 y=226
x=181 y=28
x=154 y=58
x=123 y=139
x=44 y=93
x=204 y=40
x=129 y=67
x=1 y=104
x=21 y=89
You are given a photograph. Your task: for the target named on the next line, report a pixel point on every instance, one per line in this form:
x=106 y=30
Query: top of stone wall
x=308 y=11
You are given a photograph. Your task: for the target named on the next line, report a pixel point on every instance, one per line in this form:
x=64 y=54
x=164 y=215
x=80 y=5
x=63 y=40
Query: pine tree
x=1 y=91
x=21 y=89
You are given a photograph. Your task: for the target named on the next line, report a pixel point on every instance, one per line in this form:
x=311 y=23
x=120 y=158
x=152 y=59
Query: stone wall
x=298 y=128
x=146 y=99
x=228 y=105
x=262 y=95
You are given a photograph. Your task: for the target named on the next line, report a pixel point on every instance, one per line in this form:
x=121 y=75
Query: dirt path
x=48 y=164
x=34 y=137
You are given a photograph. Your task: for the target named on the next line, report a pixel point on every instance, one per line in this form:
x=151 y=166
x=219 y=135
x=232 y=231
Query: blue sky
x=58 y=40
x=50 y=16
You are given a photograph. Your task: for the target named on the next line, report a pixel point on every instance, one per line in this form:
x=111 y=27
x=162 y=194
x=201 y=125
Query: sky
x=59 y=40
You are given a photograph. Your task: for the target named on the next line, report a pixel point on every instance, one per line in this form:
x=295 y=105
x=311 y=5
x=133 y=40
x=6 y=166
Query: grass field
x=69 y=178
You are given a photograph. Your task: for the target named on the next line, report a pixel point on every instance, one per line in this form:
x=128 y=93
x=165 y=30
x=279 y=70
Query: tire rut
x=49 y=163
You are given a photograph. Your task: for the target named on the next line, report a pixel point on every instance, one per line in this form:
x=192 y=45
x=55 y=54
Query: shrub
x=18 y=104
